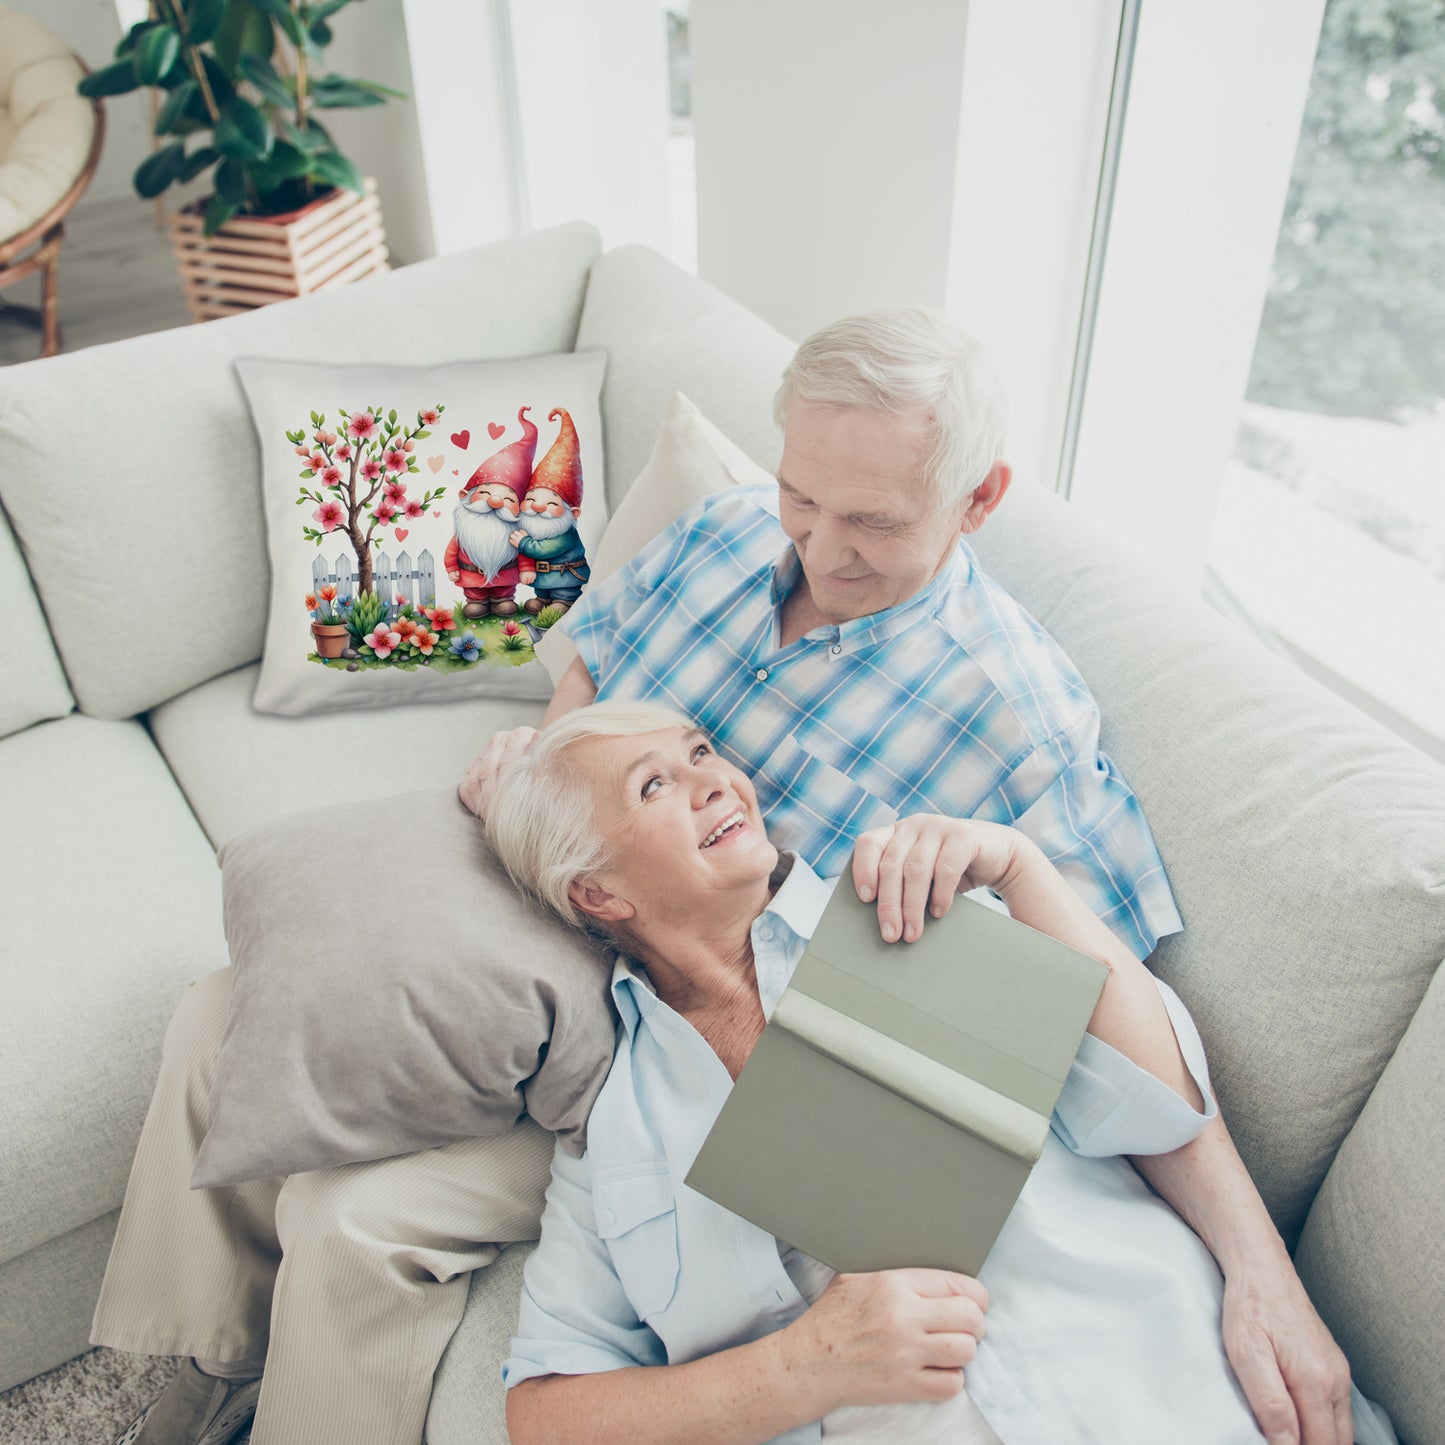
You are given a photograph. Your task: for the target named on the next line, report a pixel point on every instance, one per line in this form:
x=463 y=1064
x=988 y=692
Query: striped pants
x=348 y=1282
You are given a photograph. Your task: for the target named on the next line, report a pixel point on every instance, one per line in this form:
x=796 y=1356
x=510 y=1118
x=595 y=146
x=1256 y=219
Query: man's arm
x=1295 y=1377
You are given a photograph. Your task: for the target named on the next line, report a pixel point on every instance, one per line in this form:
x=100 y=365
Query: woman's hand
x=475 y=788
x=918 y=864
x=899 y=1334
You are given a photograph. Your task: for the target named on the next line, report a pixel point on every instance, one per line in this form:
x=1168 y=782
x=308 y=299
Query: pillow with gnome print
x=426 y=525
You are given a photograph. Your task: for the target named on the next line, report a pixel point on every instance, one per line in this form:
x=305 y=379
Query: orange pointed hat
x=561 y=468
x=512 y=465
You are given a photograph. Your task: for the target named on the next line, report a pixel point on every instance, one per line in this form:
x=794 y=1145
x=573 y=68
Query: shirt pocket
x=816 y=807
x=636 y=1211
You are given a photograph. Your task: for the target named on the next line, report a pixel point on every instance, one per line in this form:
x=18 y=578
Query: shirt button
x=765 y=933
x=761 y=674
x=836 y=648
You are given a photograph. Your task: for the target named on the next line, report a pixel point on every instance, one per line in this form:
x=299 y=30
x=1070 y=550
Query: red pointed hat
x=561 y=468
x=512 y=465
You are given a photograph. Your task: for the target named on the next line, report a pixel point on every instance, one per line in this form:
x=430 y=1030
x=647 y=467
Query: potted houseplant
x=240 y=85
x=328 y=622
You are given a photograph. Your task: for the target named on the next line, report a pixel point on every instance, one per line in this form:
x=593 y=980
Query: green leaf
x=322 y=11
x=319 y=35
x=203 y=19
x=231 y=181
x=157 y=52
x=313 y=140
x=391 y=417
x=222 y=86
x=333 y=168
x=332 y=92
x=278 y=89
x=198 y=161
x=308 y=474
x=218 y=213
x=285 y=163
x=117 y=79
x=242 y=131
x=157 y=171
x=244 y=31
x=380 y=89
x=131 y=38
x=175 y=106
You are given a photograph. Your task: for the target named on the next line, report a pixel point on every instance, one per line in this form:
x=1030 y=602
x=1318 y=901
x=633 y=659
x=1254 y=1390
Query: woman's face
x=682 y=824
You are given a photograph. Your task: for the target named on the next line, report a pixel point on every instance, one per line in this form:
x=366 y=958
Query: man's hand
x=477 y=784
x=527 y=578
x=454 y=574
x=1295 y=1377
x=518 y=537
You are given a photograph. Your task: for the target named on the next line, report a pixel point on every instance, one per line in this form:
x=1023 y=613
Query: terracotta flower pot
x=255 y=260
x=330 y=638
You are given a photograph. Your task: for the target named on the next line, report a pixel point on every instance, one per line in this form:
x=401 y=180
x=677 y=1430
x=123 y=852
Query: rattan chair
x=50 y=139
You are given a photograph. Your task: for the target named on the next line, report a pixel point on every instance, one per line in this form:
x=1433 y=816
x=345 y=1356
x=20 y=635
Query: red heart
x=494 y=431
x=462 y=439
x=436 y=514
x=455 y=472
x=402 y=533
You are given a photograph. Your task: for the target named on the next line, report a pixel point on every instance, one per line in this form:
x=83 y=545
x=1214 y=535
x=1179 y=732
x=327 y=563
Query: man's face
x=851 y=500
x=493 y=496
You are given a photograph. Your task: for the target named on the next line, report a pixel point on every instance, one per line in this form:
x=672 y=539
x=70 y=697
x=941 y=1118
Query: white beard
x=540 y=526
x=484 y=535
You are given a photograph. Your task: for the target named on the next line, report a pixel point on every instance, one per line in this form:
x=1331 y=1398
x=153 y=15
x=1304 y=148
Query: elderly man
x=839 y=642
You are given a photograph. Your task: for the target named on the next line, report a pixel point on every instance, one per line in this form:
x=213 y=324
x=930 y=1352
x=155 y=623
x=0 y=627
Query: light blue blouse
x=1105 y=1316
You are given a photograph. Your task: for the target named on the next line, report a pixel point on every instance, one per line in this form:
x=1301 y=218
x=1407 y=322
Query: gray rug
x=86 y=1402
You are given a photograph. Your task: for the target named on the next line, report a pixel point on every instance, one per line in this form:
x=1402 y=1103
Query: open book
x=892 y=1109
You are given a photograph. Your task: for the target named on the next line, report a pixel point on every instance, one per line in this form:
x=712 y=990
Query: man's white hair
x=908 y=360
x=542 y=821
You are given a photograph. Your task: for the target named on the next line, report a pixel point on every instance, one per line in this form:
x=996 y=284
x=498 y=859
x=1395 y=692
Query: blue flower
x=466 y=647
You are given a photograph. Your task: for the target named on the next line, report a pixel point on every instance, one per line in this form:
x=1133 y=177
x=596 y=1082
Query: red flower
x=395 y=493
x=400 y=600
x=331 y=477
x=423 y=640
x=412 y=507
x=385 y=512
x=361 y=427
x=311 y=602
x=343 y=452
x=429 y=417
x=383 y=641
x=330 y=515
x=511 y=629
x=370 y=469
x=395 y=459
x=328 y=593
x=405 y=625
x=316 y=461
x=441 y=618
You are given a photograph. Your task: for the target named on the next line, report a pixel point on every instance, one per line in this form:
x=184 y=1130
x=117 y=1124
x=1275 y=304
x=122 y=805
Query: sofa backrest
x=35 y=689
x=131 y=472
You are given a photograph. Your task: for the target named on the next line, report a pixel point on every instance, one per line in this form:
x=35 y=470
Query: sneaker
x=195 y=1409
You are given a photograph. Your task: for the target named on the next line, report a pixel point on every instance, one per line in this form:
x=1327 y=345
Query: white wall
x=827 y=149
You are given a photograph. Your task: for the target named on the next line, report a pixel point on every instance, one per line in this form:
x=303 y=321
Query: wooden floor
x=117 y=279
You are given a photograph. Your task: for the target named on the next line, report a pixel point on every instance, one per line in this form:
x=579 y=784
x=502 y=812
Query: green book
x=900 y=1094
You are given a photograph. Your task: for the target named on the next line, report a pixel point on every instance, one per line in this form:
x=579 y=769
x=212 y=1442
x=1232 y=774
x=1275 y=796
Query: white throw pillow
x=363 y=470
x=691 y=459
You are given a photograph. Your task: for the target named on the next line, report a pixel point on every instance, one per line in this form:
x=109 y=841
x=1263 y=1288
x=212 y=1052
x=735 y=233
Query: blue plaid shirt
x=954 y=702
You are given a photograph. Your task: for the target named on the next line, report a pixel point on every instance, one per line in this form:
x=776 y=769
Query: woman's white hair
x=908 y=360
x=542 y=820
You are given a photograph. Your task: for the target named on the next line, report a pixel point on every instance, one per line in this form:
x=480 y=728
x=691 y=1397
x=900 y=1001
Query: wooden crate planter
x=255 y=260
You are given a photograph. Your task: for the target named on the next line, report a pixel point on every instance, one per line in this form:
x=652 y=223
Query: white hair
x=908 y=360
x=542 y=820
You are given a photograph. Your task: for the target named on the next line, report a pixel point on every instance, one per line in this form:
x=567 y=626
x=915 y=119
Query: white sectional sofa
x=1306 y=846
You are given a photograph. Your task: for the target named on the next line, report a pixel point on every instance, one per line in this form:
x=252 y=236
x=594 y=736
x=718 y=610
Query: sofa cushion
x=112 y=905
x=498 y=421
x=36 y=688
x=1301 y=840
x=1372 y=1254
x=132 y=475
x=664 y=331
x=393 y=998
x=240 y=768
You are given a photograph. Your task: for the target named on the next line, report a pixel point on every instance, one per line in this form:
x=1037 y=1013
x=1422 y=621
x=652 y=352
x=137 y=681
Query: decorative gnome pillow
x=426 y=526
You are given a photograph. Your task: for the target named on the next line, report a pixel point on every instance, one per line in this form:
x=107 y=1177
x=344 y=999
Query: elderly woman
x=654 y=1314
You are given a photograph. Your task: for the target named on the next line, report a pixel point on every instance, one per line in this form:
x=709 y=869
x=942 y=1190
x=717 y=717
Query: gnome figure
x=552 y=558
x=481 y=557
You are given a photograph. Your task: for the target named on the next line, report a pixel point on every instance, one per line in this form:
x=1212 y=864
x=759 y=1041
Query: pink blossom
x=361 y=426
x=326 y=438
x=330 y=515
x=395 y=492
x=383 y=641
x=303 y=451
x=343 y=452
x=511 y=629
x=385 y=512
x=395 y=459
x=370 y=469
x=412 y=507
x=316 y=461
x=408 y=445
x=400 y=599
x=430 y=417
x=331 y=477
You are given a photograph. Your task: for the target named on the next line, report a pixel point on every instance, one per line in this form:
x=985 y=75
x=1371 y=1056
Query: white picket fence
x=415 y=584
